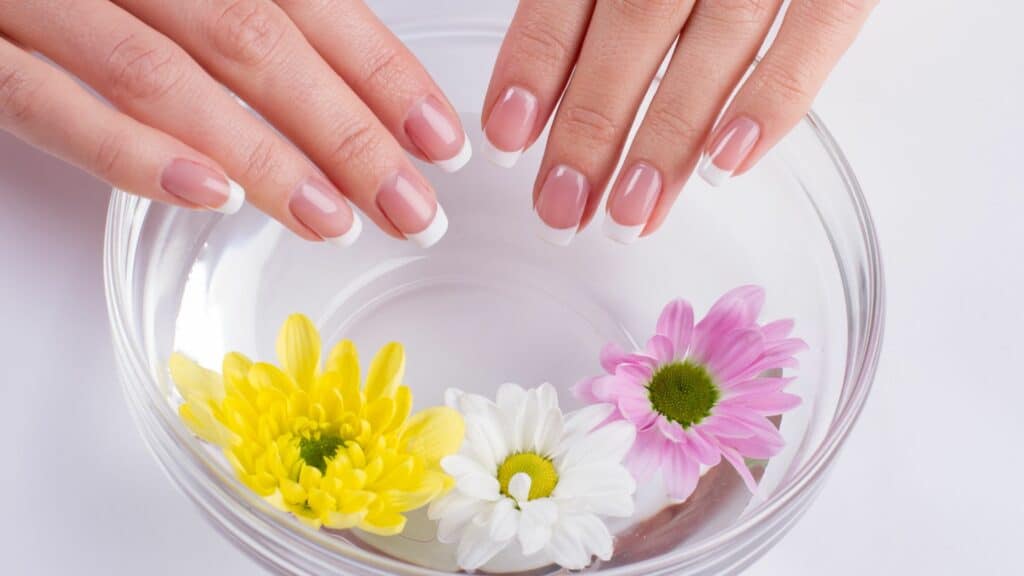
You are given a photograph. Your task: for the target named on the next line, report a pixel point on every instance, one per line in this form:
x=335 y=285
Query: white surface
x=928 y=109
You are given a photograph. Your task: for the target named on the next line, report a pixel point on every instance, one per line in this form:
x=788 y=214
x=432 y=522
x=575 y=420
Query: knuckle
x=670 y=125
x=18 y=95
x=737 y=12
x=589 y=124
x=540 y=42
x=383 y=68
x=106 y=159
x=248 y=32
x=837 y=14
x=261 y=161
x=141 y=71
x=358 y=140
x=647 y=10
x=783 y=82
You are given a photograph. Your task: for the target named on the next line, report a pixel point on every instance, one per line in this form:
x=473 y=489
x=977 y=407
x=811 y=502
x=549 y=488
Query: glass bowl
x=492 y=303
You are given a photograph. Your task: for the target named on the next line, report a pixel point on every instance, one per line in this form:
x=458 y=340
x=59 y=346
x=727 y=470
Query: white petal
x=519 y=487
x=452 y=397
x=476 y=547
x=526 y=422
x=510 y=397
x=504 y=520
x=549 y=433
x=601 y=489
x=535 y=522
x=455 y=512
x=484 y=438
x=609 y=443
x=594 y=535
x=566 y=548
x=479 y=486
x=458 y=465
x=547 y=397
x=585 y=419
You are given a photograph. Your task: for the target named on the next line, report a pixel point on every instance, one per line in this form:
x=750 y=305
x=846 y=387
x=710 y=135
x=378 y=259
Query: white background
x=929 y=107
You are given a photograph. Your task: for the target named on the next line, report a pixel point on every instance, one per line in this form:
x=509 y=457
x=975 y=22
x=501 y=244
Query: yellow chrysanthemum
x=312 y=441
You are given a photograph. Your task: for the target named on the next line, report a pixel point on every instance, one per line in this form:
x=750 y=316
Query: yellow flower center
x=543 y=477
x=317 y=451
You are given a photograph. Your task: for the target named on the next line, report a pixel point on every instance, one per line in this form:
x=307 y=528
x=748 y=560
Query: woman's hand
x=603 y=55
x=327 y=75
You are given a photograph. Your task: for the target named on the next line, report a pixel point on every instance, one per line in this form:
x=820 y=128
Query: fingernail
x=198 y=184
x=509 y=127
x=323 y=210
x=560 y=204
x=431 y=126
x=412 y=209
x=729 y=150
x=631 y=203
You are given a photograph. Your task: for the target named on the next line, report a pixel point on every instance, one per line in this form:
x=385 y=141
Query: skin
x=336 y=87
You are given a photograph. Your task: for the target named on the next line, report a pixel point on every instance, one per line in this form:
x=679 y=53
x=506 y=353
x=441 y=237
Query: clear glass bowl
x=491 y=303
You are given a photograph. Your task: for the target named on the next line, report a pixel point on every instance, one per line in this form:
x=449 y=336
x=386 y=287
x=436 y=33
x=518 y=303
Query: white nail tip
x=457 y=162
x=713 y=174
x=236 y=197
x=556 y=236
x=349 y=238
x=432 y=233
x=500 y=157
x=619 y=232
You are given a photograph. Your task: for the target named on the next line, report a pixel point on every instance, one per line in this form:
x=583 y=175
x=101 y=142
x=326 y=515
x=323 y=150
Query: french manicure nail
x=509 y=126
x=631 y=202
x=438 y=135
x=560 y=204
x=729 y=150
x=322 y=209
x=412 y=209
x=202 y=185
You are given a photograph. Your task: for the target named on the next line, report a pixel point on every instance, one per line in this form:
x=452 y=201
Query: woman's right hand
x=327 y=76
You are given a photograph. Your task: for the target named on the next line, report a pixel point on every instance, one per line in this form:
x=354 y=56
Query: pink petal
x=768 y=404
x=736 y=309
x=754 y=447
x=758 y=385
x=638 y=411
x=741 y=467
x=661 y=348
x=676 y=324
x=702 y=448
x=611 y=356
x=681 y=473
x=646 y=455
x=584 y=389
x=721 y=425
x=734 y=354
x=778 y=329
x=788 y=346
x=671 y=430
x=757 y=425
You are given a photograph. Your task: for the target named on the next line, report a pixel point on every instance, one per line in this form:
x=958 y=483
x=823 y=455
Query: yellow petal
x=235 y=369
x=202 y=423
x=386 y=372
x=344 y=359
x=434 y=433
x=379 y=413
x=298 y=349
x=268 y=377
x=385 y=523
x=403 y=405
x=195 y=383
x=432 y=485
x=339 y=521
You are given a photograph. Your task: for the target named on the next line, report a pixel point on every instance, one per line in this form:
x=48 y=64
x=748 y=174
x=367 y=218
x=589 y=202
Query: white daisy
x=528 y=473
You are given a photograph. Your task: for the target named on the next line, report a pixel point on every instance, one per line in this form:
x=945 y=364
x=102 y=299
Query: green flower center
x=543 y=477
x=683 y=392
x=317 y=451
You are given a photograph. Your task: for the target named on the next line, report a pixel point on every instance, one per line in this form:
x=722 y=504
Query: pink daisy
x=697 y=394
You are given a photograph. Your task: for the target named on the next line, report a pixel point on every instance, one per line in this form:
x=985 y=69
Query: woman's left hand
x=600 y=56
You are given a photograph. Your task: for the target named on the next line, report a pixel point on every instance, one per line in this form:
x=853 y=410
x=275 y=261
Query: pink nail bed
x=560 y=204
x=439 y=135
x=322 y=209
x=631 y=202
x=731 y=147
x=411 y=207
x=510 y=126
x=202 y=185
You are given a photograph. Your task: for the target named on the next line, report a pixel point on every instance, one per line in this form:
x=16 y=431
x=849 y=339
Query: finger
x=386 y=76
x=530 y=74
x=626 y=40
x=150 y=78
x=717 y=45
x=47 y=109
x=256 y=50
x=813 y=36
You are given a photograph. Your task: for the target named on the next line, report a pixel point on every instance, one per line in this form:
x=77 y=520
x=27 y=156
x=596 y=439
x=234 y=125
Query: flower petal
x=195 y=383
x=549 y=433
x=611 y=356
x=681 y=473
x=584 y=420
x=584 y=389
x=754 y=447
x=602 y=488
x=479 y=486
x=609 y=443
x=344 y=359
x=676 y=324
x=535 y=523
x=671 y=430
x=734 y=354
x=638 y=411
x=566 y=547
x=434 y=433
x=386 y=372
x=735 y=310
x=702 y=449
x=646 y=455
x=453 y=512
x=769 y=384
x=510 y=397
x=485 y=439
x=519 y=487
x=768 y=403
x=403 y=406
x=660 y=347
x=504 y=521
x=298 y=349
x=476 y=547
x=593 y=534
x=778 y=329
x=547 y=397
x=741 y=468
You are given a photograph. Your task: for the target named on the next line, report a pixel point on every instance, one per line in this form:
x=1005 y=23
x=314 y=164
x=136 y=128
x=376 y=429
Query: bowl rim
x=257 y=527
